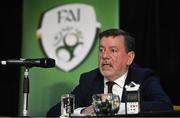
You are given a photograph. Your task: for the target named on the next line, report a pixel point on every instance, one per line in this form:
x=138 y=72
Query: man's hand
x=88 y=111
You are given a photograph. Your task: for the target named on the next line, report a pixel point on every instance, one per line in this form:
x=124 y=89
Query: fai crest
x=67 y=34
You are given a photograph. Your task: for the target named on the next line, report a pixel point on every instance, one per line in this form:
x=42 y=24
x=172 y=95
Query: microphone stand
x=26 y=91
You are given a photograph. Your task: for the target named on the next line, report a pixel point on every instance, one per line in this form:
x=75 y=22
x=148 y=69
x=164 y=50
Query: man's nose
x=106 y=54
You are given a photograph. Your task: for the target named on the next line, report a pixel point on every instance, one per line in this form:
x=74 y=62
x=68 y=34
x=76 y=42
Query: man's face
x=113 y=58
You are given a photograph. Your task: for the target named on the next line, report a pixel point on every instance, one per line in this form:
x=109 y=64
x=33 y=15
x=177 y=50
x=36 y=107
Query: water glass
x=67 y=104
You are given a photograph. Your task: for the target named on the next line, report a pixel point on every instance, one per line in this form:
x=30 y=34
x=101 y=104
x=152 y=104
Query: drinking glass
x=106 y=104
x=67 y=104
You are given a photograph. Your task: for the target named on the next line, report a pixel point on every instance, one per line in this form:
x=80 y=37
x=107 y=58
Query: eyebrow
x=109 y=47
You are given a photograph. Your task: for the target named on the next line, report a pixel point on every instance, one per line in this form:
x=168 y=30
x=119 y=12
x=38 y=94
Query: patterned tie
x=110 y=85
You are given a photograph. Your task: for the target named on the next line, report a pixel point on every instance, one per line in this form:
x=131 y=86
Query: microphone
x=39 y=62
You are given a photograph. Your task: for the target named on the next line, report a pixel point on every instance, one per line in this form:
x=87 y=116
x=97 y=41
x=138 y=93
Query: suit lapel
x=98 y=85
x=127 y=81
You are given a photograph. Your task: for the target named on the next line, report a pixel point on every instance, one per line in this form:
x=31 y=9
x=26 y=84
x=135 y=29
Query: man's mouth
x=106 y=64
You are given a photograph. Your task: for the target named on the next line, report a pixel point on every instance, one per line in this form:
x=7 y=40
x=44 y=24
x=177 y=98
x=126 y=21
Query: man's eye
x=113 y=50
x=101 y=50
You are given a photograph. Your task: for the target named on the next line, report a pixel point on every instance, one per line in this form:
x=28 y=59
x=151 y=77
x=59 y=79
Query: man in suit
x=116 y=55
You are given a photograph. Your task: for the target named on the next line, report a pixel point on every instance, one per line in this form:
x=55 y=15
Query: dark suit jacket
x=153 y=98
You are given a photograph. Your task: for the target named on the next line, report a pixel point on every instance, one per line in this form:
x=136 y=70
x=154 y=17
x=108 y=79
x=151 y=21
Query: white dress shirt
x=118 y=90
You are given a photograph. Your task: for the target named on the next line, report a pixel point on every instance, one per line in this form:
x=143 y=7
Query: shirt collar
x=120 y=81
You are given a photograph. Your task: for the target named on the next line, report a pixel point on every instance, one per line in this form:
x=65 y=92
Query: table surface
x=145 y=114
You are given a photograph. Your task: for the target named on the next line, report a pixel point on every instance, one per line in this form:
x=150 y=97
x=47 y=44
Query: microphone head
x=47 y=62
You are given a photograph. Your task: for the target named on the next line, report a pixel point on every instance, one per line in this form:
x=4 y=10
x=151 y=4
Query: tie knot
x=110 y=85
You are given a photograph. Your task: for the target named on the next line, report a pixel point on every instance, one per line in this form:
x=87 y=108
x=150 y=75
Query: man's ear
x=131 y=56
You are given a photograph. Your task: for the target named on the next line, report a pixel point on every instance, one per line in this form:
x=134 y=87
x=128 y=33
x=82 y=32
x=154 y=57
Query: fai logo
x=67 y=34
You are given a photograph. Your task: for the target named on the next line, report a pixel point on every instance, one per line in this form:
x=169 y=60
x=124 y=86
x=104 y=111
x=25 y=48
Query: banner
x=65 y=30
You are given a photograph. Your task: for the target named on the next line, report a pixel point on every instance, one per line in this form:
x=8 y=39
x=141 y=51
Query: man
x=116 y=55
